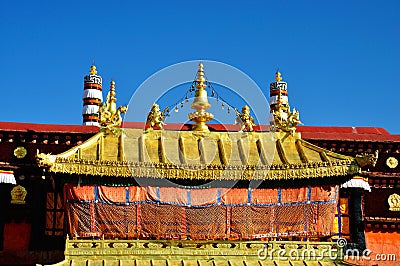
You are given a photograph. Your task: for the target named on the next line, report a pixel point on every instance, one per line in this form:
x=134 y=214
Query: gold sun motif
x=392 y=162
x=20 y=152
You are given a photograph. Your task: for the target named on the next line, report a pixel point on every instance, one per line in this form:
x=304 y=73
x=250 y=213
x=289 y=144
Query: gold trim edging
x=195 y=250
x=204 y=172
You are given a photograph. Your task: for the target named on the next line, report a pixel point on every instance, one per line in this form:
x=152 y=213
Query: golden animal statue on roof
x=155 y=118
x=367 y=159
x=244 y=119
x=288 y=123
x=110 y=116
x=44 y=159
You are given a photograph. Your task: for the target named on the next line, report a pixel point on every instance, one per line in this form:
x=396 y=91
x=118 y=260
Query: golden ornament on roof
x=93 y=70
x=155 y=118
x=284 y=119
x=367 y=159
x=244 y=119
x=110 y=116
x=278 y=76
x=200 y=103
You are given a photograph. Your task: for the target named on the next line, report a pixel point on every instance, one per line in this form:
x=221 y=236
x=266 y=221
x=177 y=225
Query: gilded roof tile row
x=174 y=154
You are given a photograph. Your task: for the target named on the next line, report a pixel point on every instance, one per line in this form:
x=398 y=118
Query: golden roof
x=200 y=155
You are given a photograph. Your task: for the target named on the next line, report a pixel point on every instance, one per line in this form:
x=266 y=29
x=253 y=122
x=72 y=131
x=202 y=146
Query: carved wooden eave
x=201 y=156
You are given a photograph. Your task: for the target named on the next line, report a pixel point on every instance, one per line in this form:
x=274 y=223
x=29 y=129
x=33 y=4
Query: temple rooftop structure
x=118 y=171
x=112 y=192
x=201 y=154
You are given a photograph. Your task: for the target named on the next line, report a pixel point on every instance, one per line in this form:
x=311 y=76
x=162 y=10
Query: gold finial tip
x=93 y=70
x=278 y=76
x=200 y=74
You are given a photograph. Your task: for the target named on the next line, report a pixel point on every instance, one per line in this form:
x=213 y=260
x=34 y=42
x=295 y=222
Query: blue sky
x=340 y=58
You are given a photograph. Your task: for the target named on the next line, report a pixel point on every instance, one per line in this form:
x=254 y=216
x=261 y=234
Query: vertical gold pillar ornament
x=200 y=103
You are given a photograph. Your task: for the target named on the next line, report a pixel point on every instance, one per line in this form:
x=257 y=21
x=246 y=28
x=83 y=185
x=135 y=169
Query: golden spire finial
x=200 y=103
x=112 y=92
x=93 y=70
x=200 y=77
x=278 y=76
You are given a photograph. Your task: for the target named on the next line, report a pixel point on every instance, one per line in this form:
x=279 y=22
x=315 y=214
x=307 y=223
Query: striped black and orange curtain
x=213 y=213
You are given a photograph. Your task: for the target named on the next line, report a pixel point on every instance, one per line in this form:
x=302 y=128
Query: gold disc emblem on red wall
x=394 y=202
x=18 y=194
x=392 y=162
x=20 y=152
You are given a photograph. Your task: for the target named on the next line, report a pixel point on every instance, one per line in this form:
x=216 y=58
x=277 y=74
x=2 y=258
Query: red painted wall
x=16 y=236
x=383 y=245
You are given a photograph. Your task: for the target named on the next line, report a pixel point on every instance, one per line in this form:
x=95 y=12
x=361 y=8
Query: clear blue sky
x=340 y=58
